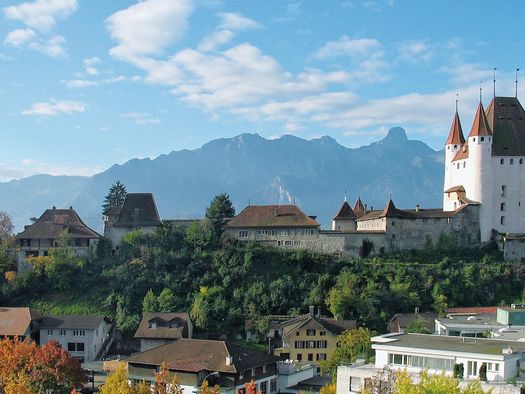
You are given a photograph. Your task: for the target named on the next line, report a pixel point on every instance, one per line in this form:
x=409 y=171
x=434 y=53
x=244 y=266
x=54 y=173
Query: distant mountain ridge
x=313 y=173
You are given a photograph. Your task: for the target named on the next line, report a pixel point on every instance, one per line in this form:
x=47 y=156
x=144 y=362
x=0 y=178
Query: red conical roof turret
x=480 y=126
x=359 y=208
x=345 y=212
x=455 y=137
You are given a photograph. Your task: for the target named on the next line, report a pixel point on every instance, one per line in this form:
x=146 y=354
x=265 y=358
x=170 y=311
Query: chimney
x=276 y=211
x=312 y=310
x=54 y=207
x=229 y=360
x=71 y=207
x=417 y=207
x=365 y=207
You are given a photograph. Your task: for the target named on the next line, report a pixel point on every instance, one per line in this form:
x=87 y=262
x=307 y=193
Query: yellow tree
x=117 y=383
x=163 y=383
x=435 y=384
x=328 y=389
x=206 y=389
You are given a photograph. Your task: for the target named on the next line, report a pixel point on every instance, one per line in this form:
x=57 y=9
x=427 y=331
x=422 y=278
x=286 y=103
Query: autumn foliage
x=27 y=368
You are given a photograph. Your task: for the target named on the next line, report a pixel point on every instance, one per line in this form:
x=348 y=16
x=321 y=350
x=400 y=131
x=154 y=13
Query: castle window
x=474 y=139
x=521 y=161
x=393 y=223
x=503 y=190
x=482 y=138
x=448 y=147
x=455 y=146
x=502 y=206
x=458 y=166
x=502 y=161
x=511 y=161
x=502 y=220
x=464 y=164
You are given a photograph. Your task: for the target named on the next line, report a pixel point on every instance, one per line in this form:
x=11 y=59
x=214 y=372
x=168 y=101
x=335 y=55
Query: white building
x=85 y=337
x=436 y=354
x=488 y=167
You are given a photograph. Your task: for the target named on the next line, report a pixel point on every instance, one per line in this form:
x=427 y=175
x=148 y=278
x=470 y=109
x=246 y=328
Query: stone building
x=138 y=212
x=38 y=238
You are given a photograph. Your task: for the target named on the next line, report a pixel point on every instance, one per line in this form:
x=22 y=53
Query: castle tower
x=478 y=174
x=344 y=220
x=453 y=145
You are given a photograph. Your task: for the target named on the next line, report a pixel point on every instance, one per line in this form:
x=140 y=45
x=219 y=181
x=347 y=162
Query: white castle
x=487 y=167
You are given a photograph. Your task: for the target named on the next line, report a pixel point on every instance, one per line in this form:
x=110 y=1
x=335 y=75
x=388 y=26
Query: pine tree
x=115 y=197
x=220 y=208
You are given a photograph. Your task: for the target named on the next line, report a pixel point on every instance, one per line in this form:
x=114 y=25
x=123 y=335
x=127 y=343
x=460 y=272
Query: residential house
x=87 y=338
x=436 y=354
x=156 y=328
x=482 y=321
x=19 y=322
x=311 y=337
x=400 y=321
x=278 y=225
x=138 y=212
x=219 y=362
x=38 y=238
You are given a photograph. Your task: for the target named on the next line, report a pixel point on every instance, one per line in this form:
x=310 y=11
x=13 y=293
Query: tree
x=354 y=344
x=433 y=383
x=166 y=301
x=117 y=383
x=7 y=261
x=115 y=197
x=328 y=389
x=440 y=304
x=220 y=208
x=206 y=389
x=417 y=326
x=27 y=368
x=343 y=298
x=164 y=384
x=150 y=304
x=251 y=387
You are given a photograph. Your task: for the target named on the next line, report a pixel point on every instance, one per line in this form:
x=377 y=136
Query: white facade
x=82 y=343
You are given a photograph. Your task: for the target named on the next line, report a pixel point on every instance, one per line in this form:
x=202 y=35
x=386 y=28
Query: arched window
x=501 y=161
x=502 y=220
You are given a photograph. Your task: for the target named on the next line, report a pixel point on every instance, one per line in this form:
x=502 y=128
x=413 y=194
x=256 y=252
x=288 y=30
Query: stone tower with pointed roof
x=345 y=218
x=488 y=167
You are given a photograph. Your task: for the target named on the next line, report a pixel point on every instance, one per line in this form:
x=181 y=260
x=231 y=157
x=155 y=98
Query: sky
x=85 y=84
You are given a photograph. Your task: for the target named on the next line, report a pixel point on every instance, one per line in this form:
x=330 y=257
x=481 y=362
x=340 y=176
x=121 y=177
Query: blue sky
x=85 y=84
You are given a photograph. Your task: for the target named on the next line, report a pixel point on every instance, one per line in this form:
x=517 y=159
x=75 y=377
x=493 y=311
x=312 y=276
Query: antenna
x=457 y=99
x=494 y=80
x=480 y=90
x=346 y=195
x=516 y=94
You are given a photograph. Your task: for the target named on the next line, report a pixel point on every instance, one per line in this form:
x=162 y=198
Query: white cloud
x=54 y=108
x=235 y=21
x=148 y=27
x=468 y=72
x=41 y=15
x=416 y=50
x=20 y=37
x=79 y=83
x=141 y=118
x=220 y=37
x=346 y=46
x=89 y=62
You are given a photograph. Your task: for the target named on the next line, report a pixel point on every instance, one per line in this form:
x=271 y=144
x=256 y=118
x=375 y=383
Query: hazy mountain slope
x=315 y=173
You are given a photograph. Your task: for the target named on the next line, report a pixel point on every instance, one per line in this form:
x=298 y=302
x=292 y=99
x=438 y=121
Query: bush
x=458 y=371
x=483 y=372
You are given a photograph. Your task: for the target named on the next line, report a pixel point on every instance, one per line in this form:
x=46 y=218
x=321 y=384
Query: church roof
x=455 y=136
x=506 y=118
x=272 y=216
x=359 y=208
x=480 y=126
x=345 y=212
x=53 y=222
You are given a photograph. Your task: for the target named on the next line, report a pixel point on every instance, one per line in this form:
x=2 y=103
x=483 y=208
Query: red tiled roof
x=359 y=208
x=391 y=210
x=472 y=309
x=462 y=153
x=272 y=216
x=480 y=126
x=345 y=212
x=456 y=133
x=16 y=321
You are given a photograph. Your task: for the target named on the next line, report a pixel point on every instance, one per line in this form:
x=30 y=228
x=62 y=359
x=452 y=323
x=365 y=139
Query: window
x=310 y=357
x=322 y=333
x=501 y=161
x=502 y=206
x=310 y=344
x=78 y=242
x=502 y=220
x=464 y=164
x=521 y=161
x=265 y=368
x=264 y=386
x=482 y=138
x=71 y=346
x=511 y=161
x=474 y=139
x=287 y=243
x=493 y=367
x=253 y=371
x=321 y=356
x=49 y=332
x=299 y=344
x=458 y=166
x=297 y=333
x=338 y=344
x=423 y=362
x=310 y=332
x=243 y=234
x=80 y=347
x=393 y=223
x=79 y=333
x=273 y=385
x=321 y=344
x=62 y=333
x=299 y=357
x=503 y=190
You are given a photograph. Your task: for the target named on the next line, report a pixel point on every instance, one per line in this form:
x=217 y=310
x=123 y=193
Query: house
x=219 y=362
x=436 y=354
x=482 y=322
x=311 y=337
x=38 y=238
x=279 y=225
x=400 y=321
x=19 y=322
x=87 y=338
x=158 y=328
x=138 y=212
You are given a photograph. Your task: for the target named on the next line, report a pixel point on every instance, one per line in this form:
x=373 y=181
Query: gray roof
x=450 y=344
x=138 y=210
x=80 y=322
x=164 y=330
x=506 y=118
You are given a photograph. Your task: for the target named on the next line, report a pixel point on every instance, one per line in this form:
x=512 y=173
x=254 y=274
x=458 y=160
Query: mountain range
x=251 y=169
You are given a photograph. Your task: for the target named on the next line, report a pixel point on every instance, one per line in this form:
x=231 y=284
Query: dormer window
x=152 y=324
